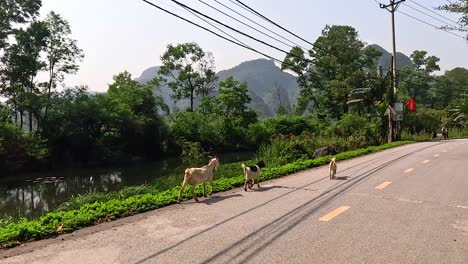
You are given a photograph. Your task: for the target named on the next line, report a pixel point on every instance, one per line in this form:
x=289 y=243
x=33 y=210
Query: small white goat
x=332 y=168
x=194 y=176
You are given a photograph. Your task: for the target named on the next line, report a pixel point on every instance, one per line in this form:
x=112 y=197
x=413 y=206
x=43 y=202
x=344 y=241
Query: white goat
x=194 y=176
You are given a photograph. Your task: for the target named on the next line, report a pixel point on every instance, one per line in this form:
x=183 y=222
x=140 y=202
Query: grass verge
x=98 y=208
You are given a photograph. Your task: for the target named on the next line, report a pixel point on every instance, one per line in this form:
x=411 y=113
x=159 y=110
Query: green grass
x=90 y=209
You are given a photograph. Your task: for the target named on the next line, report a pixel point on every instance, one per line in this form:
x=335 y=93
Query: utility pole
x=392 y=7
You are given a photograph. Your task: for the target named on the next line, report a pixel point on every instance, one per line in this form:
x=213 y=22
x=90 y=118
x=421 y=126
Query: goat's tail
x=243 y=166
x=333 y=159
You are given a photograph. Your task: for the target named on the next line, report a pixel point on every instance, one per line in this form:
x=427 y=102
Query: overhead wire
x=245 y=24
x=432 y=11
x=424 y=13
x=429 y=24
x=245 y=34
x=221 y=36
x=260 y=25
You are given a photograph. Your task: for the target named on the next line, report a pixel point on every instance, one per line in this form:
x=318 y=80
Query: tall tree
x=22 y=63
x=189 y=71
x=62 y=52
x=15 y=12
x=451 y=88
x=418 y=80
x=232 y=108
x=337 y=64
x=233 y=99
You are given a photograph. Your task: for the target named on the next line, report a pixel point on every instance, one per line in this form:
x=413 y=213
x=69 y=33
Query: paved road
x=402 y=205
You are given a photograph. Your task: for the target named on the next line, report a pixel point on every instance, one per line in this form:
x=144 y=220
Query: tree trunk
x=21 y=119
x=15 y=109
x=49 y=88
x=30 y=120
x=191 y=100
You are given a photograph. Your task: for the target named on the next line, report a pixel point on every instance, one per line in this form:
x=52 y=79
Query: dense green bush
x=193 y=127
x=19 y=148
x=423 y=120
x=358 y=131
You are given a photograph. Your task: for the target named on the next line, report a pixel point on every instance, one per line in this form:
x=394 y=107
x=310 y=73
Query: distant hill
x=268 y=84
x=385 y=61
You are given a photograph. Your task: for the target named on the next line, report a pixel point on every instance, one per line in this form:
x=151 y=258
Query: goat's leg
x=193 y=193
x=211 y=184
x=204 y=190
x=245 y=184
x=251 y=183
x=181 y=190
x=258 y=181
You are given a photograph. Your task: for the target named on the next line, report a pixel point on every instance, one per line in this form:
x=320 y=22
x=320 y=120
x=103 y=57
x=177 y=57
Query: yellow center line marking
x=334 y=213
x=409 y=170
x=436 y=155
x=426 y=161
x=383 y=185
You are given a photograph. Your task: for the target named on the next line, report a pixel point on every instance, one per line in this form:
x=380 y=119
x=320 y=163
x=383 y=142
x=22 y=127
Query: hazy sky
x=118 y=35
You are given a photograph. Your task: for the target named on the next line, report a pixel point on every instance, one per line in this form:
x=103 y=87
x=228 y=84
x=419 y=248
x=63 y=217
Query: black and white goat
x=252 y=173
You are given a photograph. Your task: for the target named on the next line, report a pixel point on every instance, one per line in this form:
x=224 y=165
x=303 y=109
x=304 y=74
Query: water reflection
x=32 y=195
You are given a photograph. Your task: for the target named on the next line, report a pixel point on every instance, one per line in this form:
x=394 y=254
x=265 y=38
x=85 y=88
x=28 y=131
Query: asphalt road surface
x=403 y=205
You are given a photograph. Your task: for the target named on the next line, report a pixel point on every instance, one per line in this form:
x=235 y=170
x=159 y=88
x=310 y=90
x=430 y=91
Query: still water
x=32 y=195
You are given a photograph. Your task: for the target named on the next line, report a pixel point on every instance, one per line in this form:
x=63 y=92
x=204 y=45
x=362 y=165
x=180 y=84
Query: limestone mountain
x=385 y=61
x=268 y=85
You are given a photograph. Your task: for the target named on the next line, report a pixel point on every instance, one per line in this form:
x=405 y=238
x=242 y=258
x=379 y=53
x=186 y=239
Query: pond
x=34 y=194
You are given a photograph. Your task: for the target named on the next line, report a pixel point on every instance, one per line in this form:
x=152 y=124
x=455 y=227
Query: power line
x=260 y=25
x=253 y=38
x=422 y=12
x=272 y=22
x=246 y=24
x=429 y=24
x=223 y=37
x=234 y=42
x=201 y=18
x=432 y=11
x=242 y=33
x=208 y=22
x=209 y=30
x=253 y=11
x=243 y=7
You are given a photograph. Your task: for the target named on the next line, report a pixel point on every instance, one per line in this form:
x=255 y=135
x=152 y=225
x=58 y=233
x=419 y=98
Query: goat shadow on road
x=218 y=198
x=341 y=178
x=266 y=188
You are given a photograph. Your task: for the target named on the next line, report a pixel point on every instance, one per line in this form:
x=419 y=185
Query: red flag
x=411 y=105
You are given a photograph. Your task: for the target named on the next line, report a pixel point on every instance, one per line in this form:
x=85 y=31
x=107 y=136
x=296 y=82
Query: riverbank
x=138 y=199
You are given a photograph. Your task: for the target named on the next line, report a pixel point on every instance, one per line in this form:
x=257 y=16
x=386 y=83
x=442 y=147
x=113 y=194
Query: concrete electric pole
x=392 y=7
